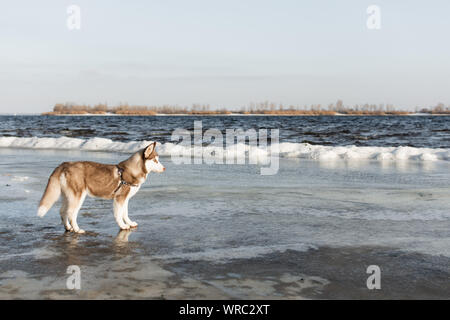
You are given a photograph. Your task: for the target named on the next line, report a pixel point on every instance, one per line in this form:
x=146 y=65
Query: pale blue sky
x=225 y=53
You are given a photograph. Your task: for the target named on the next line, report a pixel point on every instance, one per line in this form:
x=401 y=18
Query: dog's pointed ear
x=150 y=148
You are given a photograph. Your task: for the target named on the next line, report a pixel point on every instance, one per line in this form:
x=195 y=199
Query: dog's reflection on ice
x=122 y=236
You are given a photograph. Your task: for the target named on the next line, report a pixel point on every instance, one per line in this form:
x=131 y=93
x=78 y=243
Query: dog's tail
x=52 y=192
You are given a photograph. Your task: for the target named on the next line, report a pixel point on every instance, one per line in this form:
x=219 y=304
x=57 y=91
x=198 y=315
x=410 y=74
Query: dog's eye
x=154 y=159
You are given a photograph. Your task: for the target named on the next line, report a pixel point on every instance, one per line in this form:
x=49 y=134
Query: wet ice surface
x=224 y=231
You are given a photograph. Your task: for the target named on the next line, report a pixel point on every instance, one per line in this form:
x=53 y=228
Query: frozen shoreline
x=220 y=232
x=114 y=269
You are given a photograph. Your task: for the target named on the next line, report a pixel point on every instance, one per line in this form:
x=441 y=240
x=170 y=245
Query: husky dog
x=119 y=182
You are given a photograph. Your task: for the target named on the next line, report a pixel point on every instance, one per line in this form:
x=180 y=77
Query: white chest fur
x=133 y=191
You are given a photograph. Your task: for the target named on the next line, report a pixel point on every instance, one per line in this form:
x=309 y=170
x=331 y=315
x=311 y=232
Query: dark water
x=414 y=131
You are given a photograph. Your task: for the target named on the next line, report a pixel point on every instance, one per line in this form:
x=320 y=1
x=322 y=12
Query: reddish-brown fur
x=76 y=179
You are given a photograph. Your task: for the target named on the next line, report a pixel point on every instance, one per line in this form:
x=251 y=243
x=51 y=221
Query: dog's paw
x=133 y=224
x=80 y=231
x=125 y=227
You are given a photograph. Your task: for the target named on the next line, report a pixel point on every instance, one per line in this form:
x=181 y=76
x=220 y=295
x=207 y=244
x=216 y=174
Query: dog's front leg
x=119 y=212
x=126 y=219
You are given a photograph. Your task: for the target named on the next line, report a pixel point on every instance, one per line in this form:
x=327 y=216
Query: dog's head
x=151 y=159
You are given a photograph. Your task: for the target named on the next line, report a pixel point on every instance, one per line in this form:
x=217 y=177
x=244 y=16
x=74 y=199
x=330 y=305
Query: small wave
x=66 y=143
x=286 y=149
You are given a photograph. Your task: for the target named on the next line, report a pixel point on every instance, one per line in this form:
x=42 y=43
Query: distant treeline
x=252 y=108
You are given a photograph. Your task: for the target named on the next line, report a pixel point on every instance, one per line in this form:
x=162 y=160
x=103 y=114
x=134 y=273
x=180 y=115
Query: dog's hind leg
x=74 y=206
x=125 y=215
x=64 y=214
